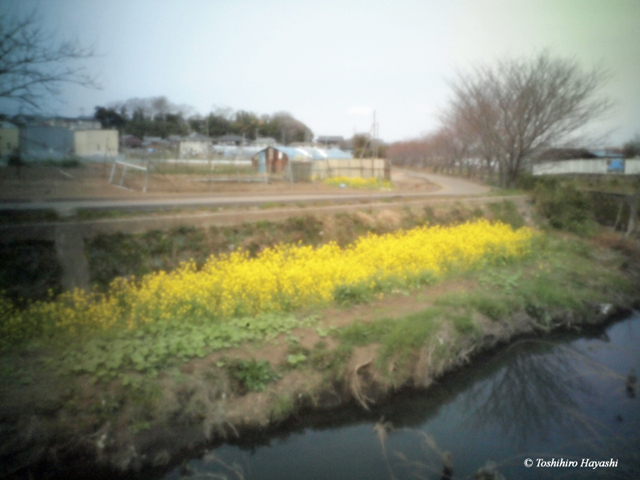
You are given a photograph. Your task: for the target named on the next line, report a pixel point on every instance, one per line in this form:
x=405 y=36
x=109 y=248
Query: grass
x=397 y=336
x=463 y=323
x=252 y=375
x=281 y=407
x=121 y=254
x=19 y=217
x=508 y=192
x=357 y=182
x=186 y=168
x=114 y=355
x=506 y=212
x=558 y=275
x=134 y=371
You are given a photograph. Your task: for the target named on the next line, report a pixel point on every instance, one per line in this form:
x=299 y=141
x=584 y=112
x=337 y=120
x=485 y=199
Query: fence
x=630 y=166
x=355 y=167
x=124 y=166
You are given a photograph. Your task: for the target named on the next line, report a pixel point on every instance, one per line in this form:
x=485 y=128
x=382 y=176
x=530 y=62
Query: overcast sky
x=331 y=63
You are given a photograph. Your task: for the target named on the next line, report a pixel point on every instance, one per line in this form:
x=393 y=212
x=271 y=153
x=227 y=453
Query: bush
x=566 y=207
x=15 y=160
x=526 y=181
x=507 y=212
x=64 y=163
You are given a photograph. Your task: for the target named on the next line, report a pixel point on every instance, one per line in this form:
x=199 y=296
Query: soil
x=91 y=180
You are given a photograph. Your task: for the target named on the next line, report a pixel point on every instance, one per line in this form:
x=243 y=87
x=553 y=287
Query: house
x=334 y=141
x=155 y=143
x=233 y=152
x=57 y=143
x=230 y=139
x=264 y=142
x=95 y=143
x=9 y=138
x=130 y=141
x=195 y=146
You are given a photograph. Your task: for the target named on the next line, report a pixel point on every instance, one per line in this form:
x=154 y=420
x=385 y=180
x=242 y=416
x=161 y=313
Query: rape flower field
x=357 y=182
x=284 y=278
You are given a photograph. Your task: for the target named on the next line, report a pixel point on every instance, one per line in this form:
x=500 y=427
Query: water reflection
x=534 y=392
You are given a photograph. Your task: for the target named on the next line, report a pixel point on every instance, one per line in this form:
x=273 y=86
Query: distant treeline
x=157 y=116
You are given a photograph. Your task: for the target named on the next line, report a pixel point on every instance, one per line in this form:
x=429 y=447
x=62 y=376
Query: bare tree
x=411 y=153
x=34 y=65
x=520 y=107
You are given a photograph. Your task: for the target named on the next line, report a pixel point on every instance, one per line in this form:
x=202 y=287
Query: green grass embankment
x=214 y=380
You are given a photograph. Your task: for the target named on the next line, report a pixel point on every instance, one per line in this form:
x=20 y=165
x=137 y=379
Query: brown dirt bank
x=50 y=443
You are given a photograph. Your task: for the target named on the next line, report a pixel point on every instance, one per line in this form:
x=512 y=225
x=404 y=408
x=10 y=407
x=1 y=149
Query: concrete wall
x=355 y=167
x=595 y=166
x=103 y=143
x=632 y=166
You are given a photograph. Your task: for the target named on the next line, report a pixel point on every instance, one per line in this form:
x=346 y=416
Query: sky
x=331 y=63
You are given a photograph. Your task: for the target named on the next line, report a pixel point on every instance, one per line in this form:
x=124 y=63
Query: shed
x=195 y=148
x=274 y=159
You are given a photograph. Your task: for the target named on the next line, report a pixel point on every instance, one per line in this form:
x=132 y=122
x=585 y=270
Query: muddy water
x=563 y=399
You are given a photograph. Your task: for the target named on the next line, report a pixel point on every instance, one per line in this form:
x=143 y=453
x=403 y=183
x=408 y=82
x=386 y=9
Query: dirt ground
x=91 y=180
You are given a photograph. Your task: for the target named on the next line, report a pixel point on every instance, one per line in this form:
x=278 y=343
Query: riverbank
x=356 y=353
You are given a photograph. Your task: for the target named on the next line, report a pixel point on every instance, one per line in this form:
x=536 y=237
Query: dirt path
x=92 y=192
x=449 y=185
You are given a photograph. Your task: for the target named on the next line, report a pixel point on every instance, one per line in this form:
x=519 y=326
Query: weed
x=566 y=207
x=463 y=323
x=30 y=271
x=161 y=345
x=252 y=375
x=281 y=407
x=545 y=290
x=500 y=279
x=65 y=163
x=397 y=336
x=105 y=406
x=364 y=333
x=507 y=212
x=331 y=361
x=495 y=307
x=352 y=294
x=295 y=359
x=408 y=333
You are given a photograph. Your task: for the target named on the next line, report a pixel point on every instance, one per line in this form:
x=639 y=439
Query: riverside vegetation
x=246 y=338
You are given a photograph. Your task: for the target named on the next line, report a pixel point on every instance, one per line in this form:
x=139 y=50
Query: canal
x=561 y=399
